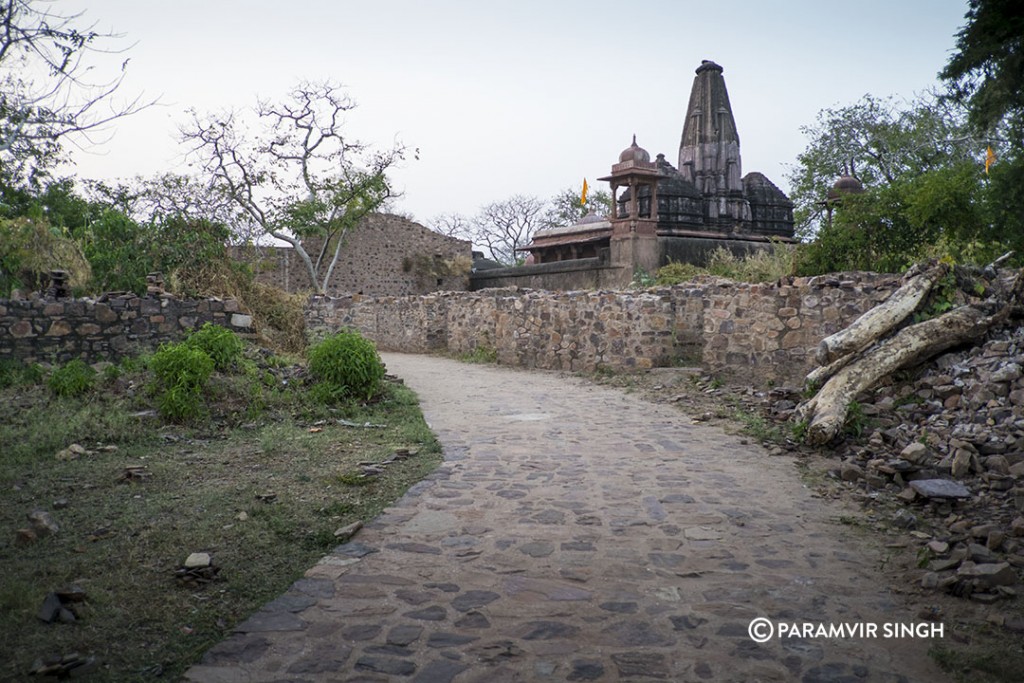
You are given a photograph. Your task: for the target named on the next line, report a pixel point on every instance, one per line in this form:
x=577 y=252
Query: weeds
x=856 y=422
x=73 y=379
x=762 y=265
x=481 y=354
x=758 y=427
x=15 y=373
x=222 y=345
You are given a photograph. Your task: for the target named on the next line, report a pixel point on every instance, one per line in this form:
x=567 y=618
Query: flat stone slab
x=940 y=488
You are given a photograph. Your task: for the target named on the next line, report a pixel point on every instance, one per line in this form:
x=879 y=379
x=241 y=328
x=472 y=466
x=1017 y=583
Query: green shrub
x=73 y=379
x=181 y=403
x=175 y=364
x=221 y=344
x=676 y=273
x=348 y=366
x=182 y=371
x=15 y=373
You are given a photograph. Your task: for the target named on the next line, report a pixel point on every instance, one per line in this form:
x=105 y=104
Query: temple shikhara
x=666 y=213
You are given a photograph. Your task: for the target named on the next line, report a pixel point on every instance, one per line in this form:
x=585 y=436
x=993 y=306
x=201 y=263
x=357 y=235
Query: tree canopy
x=293 y=172
x=986 y=73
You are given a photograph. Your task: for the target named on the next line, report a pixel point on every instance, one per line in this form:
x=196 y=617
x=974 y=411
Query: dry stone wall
x=763 y=330
x=56 y=331
x=386 y=255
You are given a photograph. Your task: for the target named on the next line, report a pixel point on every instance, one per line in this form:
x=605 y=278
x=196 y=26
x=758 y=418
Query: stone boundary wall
x=107 y=329
x=768 y=331
x=588 y=273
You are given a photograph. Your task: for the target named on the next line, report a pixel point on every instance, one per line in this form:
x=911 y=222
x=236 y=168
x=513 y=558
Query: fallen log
x=828 y=409
x=878 y=321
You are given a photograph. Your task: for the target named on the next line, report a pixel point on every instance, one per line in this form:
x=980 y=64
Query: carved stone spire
x=709 y=153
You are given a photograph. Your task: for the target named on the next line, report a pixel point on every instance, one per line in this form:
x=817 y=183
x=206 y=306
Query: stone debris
x=197 y=570
x=62 y=605
x=135 y=473
x=67 y=666
x=936 y=453
x=373 y=469
x=43 y=523
x=72 y=452
x=945 y=448
x=939 y=488
x=346 y=532
x=360 y=425
x=198 y=560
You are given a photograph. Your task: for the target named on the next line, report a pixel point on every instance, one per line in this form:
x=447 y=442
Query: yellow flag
x=990 y=158
x=583 y=198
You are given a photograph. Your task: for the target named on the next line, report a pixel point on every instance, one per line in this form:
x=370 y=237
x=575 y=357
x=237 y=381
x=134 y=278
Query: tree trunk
x=909 y=346
x=877 y=322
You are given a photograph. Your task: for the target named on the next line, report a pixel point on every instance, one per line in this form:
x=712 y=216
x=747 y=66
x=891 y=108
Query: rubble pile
x=943 y=445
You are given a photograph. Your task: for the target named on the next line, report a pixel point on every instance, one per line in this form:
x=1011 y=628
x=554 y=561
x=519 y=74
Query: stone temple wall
x=107 y=329
x=768 y=331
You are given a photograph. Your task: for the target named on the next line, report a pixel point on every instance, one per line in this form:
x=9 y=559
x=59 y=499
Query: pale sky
x=515 y=97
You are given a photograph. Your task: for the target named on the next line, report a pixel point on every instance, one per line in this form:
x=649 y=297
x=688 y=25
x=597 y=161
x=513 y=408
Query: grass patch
x=256 y=487
x=999 y=660
x=757 y=426
x=481 y=354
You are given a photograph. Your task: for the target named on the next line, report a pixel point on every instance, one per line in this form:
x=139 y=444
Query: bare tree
x=48 y=90
x=452 y=225
x=298 y=178
x=505 y=226
x=175 y=195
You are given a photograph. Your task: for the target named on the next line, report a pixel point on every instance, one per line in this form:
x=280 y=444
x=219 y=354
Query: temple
x=679 y=213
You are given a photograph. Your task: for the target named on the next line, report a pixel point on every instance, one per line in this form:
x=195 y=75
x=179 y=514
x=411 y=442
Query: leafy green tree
x=987 y=71
x=565 y=207
x=115 y=246
x=298 y=177
x=925 y=189
x=986 y=74
x=880 y=142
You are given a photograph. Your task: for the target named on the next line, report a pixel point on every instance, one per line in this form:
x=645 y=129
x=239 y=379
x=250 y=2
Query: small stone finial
x=708 y=65
x=59 y=286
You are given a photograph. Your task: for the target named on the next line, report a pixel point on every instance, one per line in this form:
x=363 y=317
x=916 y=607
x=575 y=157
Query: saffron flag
x=583 y=198
x=990 y=158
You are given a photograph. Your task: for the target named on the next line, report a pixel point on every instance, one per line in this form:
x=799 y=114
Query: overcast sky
x=516 y=97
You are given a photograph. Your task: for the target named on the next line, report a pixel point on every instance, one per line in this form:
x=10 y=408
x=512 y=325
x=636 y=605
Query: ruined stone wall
x=773 y=330
x=588 y=273
x=386 y=255
x=764 y=330
x=56 y=331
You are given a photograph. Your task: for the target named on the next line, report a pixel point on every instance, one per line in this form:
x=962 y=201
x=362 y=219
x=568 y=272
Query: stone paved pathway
x=577 y=533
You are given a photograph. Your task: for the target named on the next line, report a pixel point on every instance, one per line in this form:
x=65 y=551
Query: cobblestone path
x=577 y=533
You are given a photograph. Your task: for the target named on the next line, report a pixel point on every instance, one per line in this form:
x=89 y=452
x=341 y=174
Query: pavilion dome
x=846 y=184
x=634 y=153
